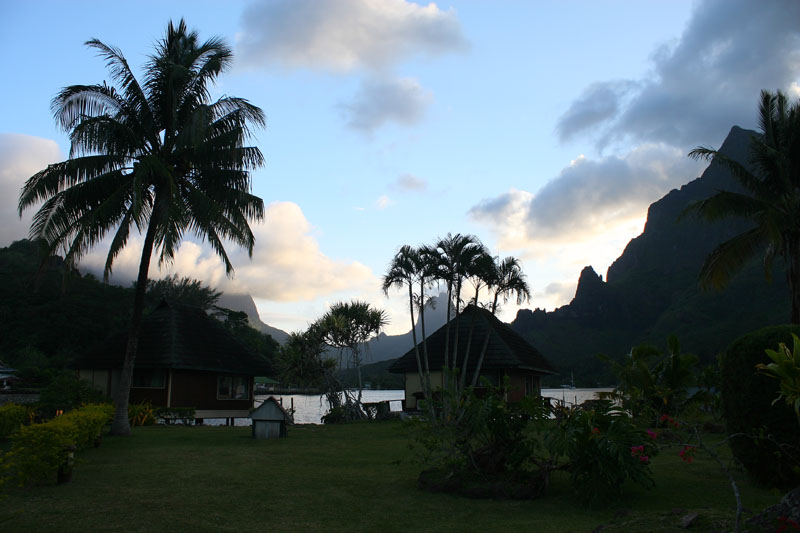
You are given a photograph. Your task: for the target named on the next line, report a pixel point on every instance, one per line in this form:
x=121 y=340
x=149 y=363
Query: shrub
x=89 y=421
x=40 y=450
x=66 y=392
x=12 y=417
x=769 y=447
x=604 y=448
x=141 y=414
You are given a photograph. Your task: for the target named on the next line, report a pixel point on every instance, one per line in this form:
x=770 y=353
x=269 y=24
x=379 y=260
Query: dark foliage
x=66 y=392
x=770 y=451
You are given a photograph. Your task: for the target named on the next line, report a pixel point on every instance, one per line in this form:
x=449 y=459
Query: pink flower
x=652 y=434
x=637 y=450
x=595 y=431
x=687 y=454
x=644 y=459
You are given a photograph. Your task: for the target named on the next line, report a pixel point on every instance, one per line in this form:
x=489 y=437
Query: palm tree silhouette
x=159 y=157
x=770 y=199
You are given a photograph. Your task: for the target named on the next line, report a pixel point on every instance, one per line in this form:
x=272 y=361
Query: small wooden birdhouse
x=269 y=420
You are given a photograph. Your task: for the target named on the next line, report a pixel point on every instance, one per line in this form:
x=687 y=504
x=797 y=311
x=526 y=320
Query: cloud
x=22 y=156
x=383 y=202
x=409 y=183
x=381 y=101
x=589 y=199
x=346 y=35
x=287 y=264
x=701 y=85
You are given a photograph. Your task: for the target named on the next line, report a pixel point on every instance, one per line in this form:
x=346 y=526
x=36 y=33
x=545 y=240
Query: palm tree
x=159 y=157
x=455 y=255
x=770 y=199
x=505 y=278
x=510 y=280
x=407 y=269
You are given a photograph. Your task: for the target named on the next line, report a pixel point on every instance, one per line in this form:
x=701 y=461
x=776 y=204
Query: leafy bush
x=12 y=417
x=604 y=449
x=768 y=447
x=141 y=414
x=40 y=450
x=66 y=392
x=89 y=421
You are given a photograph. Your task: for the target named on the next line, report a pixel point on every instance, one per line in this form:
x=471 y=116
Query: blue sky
x=544 y=128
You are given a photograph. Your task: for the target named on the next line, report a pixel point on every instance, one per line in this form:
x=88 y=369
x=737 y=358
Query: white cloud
x=383 y=202
x=21 y=156
x=287 y=264
x=380 y=101
x=702 y=85
x=585 y=216
x=409 y=183
x=344 y=35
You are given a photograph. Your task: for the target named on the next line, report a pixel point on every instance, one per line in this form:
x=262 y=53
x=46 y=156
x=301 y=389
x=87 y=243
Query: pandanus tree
x=348 y=326
x=158 y=157
x=770 y=198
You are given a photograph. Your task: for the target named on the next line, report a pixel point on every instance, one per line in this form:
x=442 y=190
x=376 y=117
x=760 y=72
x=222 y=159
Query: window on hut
x=233 y=388
x=149 y=378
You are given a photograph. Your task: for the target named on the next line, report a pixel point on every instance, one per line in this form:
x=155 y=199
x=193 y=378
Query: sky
x=543 y=128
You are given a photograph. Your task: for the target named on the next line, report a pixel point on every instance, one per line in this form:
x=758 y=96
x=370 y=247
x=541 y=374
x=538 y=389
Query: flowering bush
x=604 y=449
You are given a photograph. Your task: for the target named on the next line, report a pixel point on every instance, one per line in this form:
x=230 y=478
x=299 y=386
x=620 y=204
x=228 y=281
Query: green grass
x=358 y=477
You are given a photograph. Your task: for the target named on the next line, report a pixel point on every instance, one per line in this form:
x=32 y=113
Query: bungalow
x=507 y=354
x=185 y=359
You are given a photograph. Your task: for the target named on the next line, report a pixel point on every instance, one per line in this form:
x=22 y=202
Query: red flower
x=595 y=431
x=652 y=434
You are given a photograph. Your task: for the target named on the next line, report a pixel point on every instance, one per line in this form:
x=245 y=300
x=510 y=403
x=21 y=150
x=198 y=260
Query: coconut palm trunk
x=120 y=425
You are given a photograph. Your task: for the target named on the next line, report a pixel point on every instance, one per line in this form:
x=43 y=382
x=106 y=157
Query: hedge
x=38 y=451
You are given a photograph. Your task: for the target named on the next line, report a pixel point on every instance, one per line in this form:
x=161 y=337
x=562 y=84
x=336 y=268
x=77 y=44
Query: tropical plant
x=348 y=326
x=510 y=280
x=158 y=157
x=785 y=366
x=652 y=383
x=452 y=264
x=770 y=198
x=183 y=290
x=604 y=449
x=407 y=269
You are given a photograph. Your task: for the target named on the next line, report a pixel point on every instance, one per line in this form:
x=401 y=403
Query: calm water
x=309 y=409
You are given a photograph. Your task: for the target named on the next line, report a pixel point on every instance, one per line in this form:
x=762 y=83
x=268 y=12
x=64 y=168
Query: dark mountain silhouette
x=652 y=291
x=245 y=303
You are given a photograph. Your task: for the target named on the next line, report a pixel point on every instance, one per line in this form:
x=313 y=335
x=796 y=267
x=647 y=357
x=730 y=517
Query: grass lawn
x=356 y=477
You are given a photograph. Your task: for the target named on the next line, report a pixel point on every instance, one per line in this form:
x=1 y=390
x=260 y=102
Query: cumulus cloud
x=22 y=156
x=702 y=84
x=347 y=34
x=380 y=101
x=589 y=198
x=409 y=183
x=287 y=264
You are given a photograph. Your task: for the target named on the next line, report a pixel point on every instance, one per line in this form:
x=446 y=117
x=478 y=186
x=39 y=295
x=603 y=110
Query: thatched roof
x=506 y=348
x=181 y=337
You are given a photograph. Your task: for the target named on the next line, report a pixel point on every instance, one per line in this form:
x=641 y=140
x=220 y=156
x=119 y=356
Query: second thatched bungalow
x=507 y=355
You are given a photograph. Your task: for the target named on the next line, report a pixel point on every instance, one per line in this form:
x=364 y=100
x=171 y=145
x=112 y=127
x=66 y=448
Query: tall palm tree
x=159 y=157
x=406 y=269
x=770 y=199
x=510 y=280
x=455 y=255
